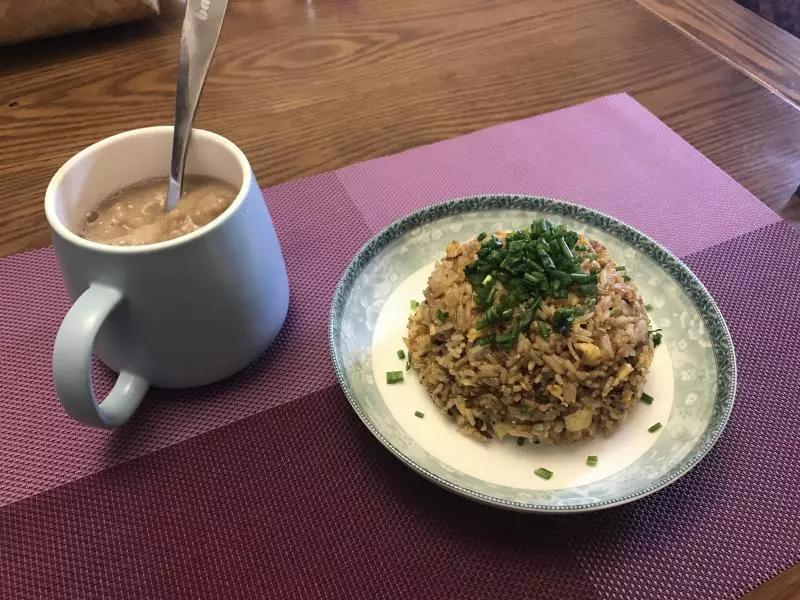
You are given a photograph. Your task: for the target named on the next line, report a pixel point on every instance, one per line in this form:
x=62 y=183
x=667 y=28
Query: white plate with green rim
x=692 y=379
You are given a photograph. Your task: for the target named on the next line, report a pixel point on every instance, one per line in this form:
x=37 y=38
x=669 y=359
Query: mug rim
x=66 y=233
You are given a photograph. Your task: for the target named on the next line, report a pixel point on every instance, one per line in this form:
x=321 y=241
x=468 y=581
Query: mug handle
x=72 y=366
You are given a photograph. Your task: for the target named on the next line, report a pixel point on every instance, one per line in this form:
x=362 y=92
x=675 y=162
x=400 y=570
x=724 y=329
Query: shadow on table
x=177 y=415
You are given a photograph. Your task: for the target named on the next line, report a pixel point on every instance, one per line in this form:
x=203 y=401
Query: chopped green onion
x=490 y=297
x=591 y=461
x=505 y=340
x=583 y=277
x=562 y=276
x=533 y=277
x=442 y=315
x=408 y=365
x=562 y=320
x=543 y=331
x=626 y=278
x=648 y=307
x=526 y=321
x=646 y=398
x=414 y=305
x=544 y=473
x=547 y=261
x=654 y=427
x=394 y=376
x=619 y=268
x=481 y=236
x=531 y=264
x=401 y=354
x=565 y=249
x=520 y=441
x=615 y=312
x=656 y=333
x=418 y=414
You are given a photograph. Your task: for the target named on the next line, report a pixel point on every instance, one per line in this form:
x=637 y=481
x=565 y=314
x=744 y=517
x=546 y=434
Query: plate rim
x=449 y=207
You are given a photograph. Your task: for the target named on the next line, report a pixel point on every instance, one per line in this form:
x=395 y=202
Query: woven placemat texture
x=266 y=485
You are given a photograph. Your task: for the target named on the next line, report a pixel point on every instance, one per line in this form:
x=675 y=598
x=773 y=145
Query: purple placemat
x=267 y=484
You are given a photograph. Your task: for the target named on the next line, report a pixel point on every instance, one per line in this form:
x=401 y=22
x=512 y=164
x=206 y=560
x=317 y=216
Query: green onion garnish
x=442 y=315
x=615 y=312
x=505 y=340
x=520 y=441
x=591 y=461
x=583 y=277
x=481 y=236
x=544 y=473
x=563 y=319
x=414 y=305
x=648 y=307
x=418 y=414
x=565 y=249
x=618 y=268
x=408 y=365
x=654 y=427
x=626 y=278
x=401 y=354
x=656 y=333
x=533 y=278
x=531 y=264
x=646 y=398
x=543 y=331
x=394 y=376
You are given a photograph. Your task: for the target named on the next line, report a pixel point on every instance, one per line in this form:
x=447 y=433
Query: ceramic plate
x=693 y=377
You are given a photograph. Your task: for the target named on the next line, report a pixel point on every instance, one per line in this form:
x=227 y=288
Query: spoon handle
x=201 y=26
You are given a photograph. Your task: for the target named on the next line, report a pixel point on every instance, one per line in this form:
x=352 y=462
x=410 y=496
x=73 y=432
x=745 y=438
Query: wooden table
x=306 y=87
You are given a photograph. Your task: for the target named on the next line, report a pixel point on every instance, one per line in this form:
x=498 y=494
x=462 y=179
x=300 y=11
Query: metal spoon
x=201 y=26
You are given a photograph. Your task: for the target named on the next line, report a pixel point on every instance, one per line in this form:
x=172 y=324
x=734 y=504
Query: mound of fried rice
x=559 y=389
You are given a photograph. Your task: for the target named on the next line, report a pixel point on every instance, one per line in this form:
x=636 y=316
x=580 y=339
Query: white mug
x=179 y=313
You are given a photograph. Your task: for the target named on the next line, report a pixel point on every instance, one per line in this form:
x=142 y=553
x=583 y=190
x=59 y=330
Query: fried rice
x=555 y=388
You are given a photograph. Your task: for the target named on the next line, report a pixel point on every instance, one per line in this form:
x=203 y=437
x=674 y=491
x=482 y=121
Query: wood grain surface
x=786 y=586
x=757 y=47
x=305 y=87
